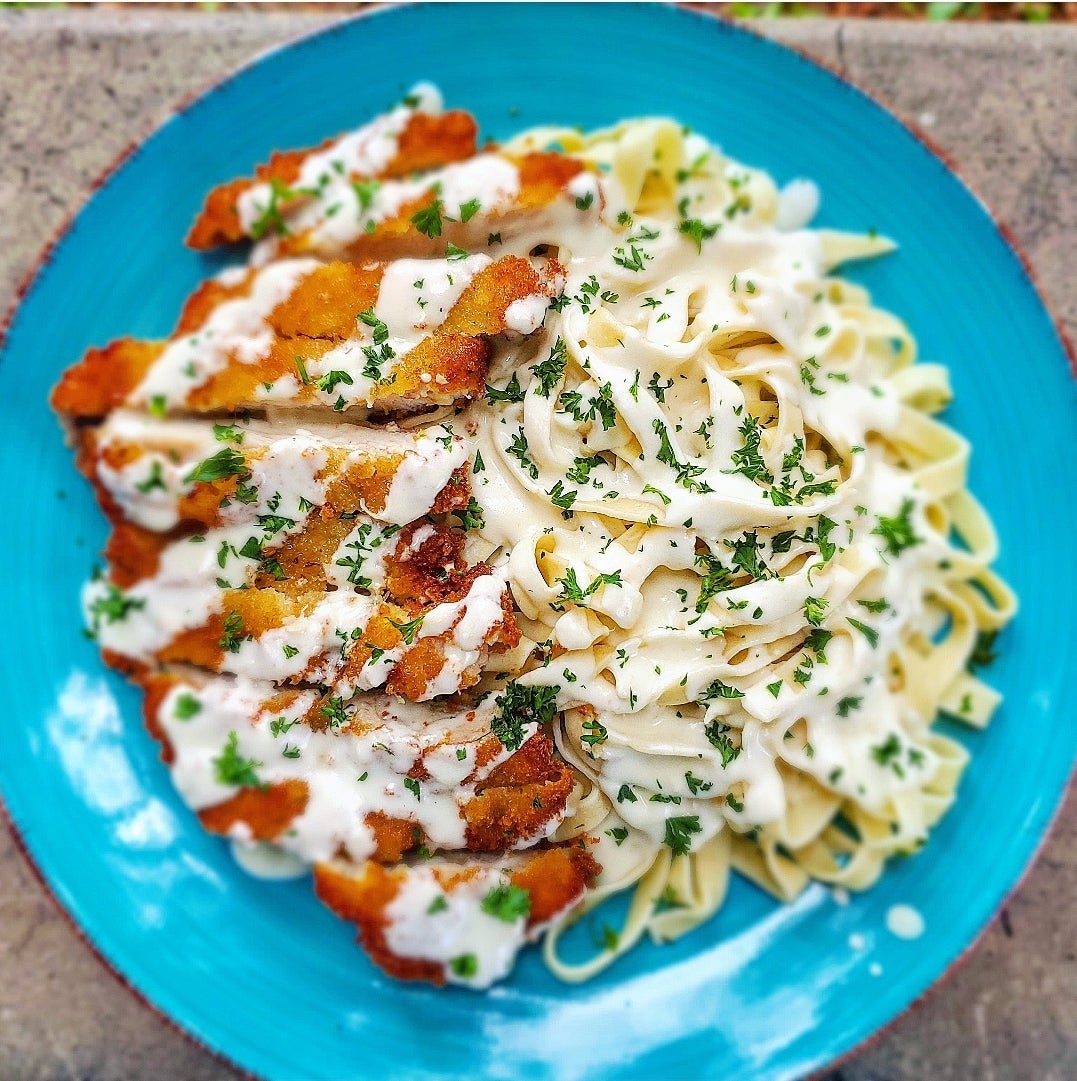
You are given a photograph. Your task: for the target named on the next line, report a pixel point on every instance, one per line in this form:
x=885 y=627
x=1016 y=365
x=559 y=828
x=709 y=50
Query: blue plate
x=261 y=972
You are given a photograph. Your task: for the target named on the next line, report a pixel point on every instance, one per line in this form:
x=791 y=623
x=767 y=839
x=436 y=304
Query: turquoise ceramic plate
x=261 y=972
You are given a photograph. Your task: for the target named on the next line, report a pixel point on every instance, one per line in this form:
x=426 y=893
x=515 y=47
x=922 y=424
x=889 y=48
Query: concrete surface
x=77 y=86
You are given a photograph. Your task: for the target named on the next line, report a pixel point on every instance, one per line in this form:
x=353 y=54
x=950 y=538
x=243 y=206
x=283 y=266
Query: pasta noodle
x=769 y=576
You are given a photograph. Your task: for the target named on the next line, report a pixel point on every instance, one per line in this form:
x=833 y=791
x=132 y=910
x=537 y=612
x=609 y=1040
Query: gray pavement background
x=77 y=86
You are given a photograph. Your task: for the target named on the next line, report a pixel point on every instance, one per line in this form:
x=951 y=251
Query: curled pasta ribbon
x=720 y=688
x=648 y=877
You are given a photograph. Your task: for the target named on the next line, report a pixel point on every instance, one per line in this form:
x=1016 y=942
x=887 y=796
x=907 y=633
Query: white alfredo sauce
x=644 y=450
x=425 y=921
x=149 y=488
x=325 y=175
x=236 y=329
x=349 y=772
x=417 y=294
x=488 y=179
x=904 y=921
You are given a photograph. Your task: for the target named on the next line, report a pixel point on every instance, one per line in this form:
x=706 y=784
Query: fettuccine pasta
x=743 y=544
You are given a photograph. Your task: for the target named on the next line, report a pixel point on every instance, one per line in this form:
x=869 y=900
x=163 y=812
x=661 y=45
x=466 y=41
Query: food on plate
x=308 y=335
x=433 y=777
x=527 y=524
x=409 y=139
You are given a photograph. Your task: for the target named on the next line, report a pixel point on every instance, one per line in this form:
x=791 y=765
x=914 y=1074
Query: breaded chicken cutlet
x=302 y=334
x=289 y=578
x=438 y=777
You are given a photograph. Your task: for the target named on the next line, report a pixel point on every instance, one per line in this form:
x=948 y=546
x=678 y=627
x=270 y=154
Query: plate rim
x=34 y=276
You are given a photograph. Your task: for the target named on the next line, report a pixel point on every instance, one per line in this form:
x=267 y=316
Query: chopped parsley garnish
x=593 y=733
x=365 y=190
x=659 y=388
x=633 y=259
x=875 y=607
x=748 y=461
x=410 y=629
x=513 y=392
x=821 y=536
x=718 y=736
x=274 y=523
x=364 y=544
x=378 y=329
x=848 y=704
x=230 y=768
x=380 y=353
x=518 y=450
x=686 y=472
x=897 y=531
x=332 y=709
x=225 y=463
x=519 y=706
x=280 y=726
x=471 y=517
x=716 y=579
x=572 y=591
x=814 y=609
x=718 y=689
x=507 y=902
x=412 y=785
x=817 y=641
x=233 y=633
x=696 y=230
x=465 y=966
x=331 y=380
x=469 y=209
x=887 y=753
x=227 y=433
x=580 y=472
x=187 y=706
x=869 y=633
x=549 y=372
x=782 y=542
x=679 y=831
x=746 y=556
x=154 y=480
x=428 y=220
x=602 y=407
x=271 y=219
x=562 y=498
x=983 y=652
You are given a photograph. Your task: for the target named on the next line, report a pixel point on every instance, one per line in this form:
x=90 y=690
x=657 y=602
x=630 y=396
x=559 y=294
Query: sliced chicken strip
x=455 y=919
x=371 y=777
x=332 y=338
